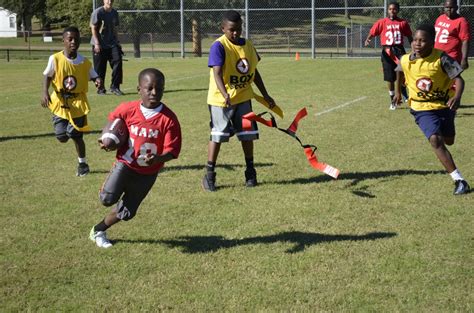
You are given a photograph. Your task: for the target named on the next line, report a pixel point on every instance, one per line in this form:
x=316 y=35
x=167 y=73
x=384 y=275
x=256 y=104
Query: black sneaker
x=461 y=187
x=82 y=169
x=116 y=91
x=101 y=92
x=250 y=177
x=209 y=181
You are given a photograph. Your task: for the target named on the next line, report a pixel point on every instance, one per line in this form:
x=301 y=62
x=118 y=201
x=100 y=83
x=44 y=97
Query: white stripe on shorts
x=249 y=132
x=216 y=133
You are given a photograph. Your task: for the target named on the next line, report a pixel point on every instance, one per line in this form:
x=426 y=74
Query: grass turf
x=386 y=236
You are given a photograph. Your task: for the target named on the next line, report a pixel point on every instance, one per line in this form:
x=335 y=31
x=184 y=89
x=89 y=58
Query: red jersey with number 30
x=158 y=134
x=450 y=33
x=391 y=32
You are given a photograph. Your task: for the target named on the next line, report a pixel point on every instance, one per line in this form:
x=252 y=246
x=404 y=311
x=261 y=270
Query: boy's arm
x=45 y=100
x=93 y=76
x=465 y=54
x=454 y=102
x=261 y=86
x=217 y=69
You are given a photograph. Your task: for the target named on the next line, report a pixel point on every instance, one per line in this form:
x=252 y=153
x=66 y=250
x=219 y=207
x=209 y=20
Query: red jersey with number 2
x=450 y=33
x=158 y=134
x=391 y=32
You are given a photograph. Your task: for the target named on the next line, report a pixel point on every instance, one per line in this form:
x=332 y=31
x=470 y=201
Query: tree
x=71 y=13
x=25 y=10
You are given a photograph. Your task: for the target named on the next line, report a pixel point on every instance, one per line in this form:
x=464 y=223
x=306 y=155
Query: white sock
x=391 y=92
x=82 y=160
x=456 y=175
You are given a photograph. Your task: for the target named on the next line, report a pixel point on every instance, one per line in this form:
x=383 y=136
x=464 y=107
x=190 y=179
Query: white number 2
x=441 y=35
x=145 y=149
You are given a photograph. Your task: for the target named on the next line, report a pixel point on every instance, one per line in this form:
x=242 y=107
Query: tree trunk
x=136 y=45
x=26 y=26
x=197 y=38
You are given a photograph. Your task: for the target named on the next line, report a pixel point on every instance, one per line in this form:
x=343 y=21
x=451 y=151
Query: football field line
x=341 y=105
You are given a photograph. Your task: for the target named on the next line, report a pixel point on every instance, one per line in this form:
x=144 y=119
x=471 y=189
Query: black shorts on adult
x=389 y=53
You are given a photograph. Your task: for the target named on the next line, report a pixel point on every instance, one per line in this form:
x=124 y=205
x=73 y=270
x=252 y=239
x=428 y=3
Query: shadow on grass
x=28 y=137
x=358 y=177
x=226 y=166
x=301 y=240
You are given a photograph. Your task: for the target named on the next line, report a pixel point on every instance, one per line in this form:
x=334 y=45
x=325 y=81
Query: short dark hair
x=71 y=29
x=395 y=3
x=429 y=29
x=232 y=16
x=151 y=71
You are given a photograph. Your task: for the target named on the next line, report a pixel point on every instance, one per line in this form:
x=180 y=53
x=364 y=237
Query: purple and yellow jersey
x=70 y=80
x=429 y=80
x=239 y=64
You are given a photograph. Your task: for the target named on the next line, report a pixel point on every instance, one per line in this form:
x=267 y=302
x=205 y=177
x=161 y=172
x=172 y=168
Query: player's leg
x=116 y=65
x=100 y=66
x=438 y=127
x=389 y=76
x=60 y=128
x=120 y=181
x=77 y=137
x=398 y=52
x=220 y=126
x=246 y=137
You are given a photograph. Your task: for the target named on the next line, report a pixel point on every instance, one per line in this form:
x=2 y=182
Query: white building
x=7 y=23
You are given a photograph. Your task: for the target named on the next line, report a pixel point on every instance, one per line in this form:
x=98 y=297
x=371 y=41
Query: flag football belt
x=66 y=96
x=389 y=50
x=291 y=131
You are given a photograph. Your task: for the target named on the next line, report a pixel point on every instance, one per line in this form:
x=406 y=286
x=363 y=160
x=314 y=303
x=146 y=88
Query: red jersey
x=158 y=134
x=391 y=32
x=450 y=33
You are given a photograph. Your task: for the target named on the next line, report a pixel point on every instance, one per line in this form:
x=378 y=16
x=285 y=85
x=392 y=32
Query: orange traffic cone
x=297 y=56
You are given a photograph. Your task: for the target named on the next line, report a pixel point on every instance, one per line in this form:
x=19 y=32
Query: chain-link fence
x=313 y=28
x=323 y=28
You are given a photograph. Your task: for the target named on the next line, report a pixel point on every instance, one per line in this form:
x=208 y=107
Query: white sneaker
x=100 y=238
x=393 y=106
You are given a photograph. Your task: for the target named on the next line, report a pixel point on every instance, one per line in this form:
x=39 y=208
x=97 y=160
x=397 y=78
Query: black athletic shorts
x=389 y=55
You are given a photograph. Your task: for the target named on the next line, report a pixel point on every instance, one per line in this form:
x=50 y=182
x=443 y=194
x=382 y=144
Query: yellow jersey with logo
x=70 y=85
x=238 y=73
x=428 y=84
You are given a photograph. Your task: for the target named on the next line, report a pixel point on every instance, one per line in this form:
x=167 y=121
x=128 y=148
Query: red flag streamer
x=323 y=167
x=308 y=149
x=392 y=56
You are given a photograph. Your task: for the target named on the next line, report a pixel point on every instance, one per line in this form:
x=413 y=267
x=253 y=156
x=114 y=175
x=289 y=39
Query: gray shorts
x=227 y=121
x=63 y=128
x=127 y=188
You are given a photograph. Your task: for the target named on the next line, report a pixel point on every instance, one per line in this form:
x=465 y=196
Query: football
x=114 y=134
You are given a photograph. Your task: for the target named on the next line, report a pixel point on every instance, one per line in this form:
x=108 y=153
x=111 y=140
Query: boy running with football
x=429 y=74
x=233 y=62
x=154 y=138
x=69 y=72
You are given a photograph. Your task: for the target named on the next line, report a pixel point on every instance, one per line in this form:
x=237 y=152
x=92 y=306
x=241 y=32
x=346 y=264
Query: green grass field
x=388 y=235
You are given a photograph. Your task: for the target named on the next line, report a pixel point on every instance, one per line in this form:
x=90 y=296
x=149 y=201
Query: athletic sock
x=101 y=226
x=456 y=175
x=391 y=93
x=210 y=166
x=82 y=160
x=249 y=163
